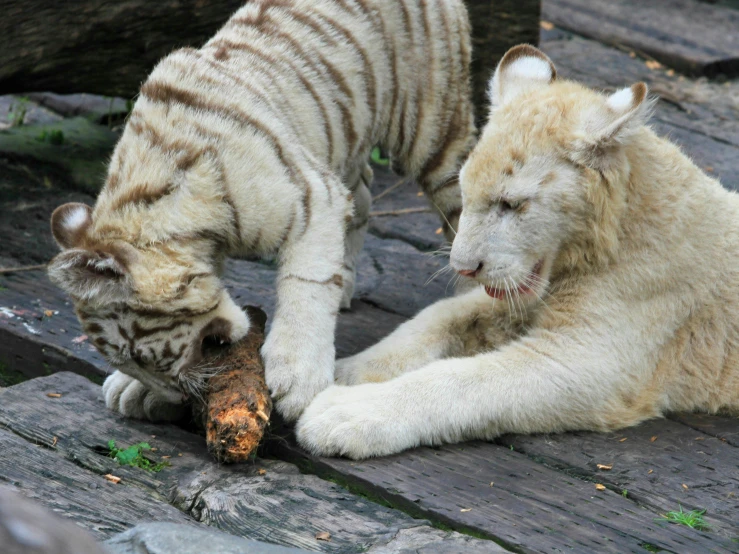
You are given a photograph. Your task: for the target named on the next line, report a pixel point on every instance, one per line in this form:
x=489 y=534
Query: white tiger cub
x=257 y=143
x=571 y=200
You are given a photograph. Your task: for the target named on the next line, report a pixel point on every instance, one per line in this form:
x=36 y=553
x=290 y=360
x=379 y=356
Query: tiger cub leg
x=299 y=350
x=129 y=397
x=356 y=229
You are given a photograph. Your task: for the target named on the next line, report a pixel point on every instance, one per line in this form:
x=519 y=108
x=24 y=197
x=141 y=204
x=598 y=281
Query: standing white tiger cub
x=571 y=200
x=257 y=143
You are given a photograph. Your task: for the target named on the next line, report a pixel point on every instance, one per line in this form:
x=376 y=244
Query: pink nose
x=470 y=272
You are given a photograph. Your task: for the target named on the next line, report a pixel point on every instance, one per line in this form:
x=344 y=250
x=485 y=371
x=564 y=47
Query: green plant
x=693 y=519
x=376 y=157
x=133 y=456
x=9 y=377
x=625 y=493
x=54 y=136
x=17 y=112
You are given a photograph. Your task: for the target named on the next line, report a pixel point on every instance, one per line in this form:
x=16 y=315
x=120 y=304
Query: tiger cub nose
x=470 y=272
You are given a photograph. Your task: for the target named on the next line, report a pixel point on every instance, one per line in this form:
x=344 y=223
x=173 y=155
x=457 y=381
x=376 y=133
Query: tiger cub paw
x=129 y=397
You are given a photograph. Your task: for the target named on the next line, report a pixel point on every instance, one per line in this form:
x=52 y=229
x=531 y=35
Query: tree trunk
x=98 y=46
x=497 y=25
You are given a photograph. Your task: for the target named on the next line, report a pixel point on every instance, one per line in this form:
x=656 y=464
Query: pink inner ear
x=69 y=223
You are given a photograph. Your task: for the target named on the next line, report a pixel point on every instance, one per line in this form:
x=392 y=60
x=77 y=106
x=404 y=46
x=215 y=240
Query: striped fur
x=257 y=144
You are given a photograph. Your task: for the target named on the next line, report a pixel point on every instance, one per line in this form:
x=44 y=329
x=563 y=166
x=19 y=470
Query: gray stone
x=168 y=538
x=28 y=528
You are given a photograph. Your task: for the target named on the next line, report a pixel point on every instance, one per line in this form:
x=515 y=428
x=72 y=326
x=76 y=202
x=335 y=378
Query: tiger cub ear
x=91 y=275
x=522 y=68
x=69 y=223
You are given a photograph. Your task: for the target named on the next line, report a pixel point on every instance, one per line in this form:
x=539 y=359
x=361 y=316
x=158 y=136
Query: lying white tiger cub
x=257 y=144
x=571 y=200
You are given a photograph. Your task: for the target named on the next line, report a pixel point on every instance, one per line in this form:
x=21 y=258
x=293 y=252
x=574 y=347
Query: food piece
x=238 y=401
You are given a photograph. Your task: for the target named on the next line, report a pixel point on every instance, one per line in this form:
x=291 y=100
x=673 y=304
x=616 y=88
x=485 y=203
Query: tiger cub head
x=152 y=310
x=546 y=184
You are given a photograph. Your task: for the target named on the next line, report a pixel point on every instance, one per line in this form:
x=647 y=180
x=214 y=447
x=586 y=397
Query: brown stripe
x=426 y=84
x=289 y=228
x=158 y=91
x=139 y=332
x=335 y=279
x=143 y=194
x=181 y=312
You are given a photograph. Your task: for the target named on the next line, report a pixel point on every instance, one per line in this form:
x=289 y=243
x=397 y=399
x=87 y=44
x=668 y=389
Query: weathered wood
x=96 y=46
x=725 y=429
x=698 y=115
x=496 y=27
x=264 y=500
x=662 y=464
x=690 y=36
x=28 y=528
x=95 y=504
x=507 y=496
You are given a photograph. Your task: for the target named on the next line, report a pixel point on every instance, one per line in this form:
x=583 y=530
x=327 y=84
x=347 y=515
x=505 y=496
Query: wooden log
x=497 y=26
x=98 y=46
x=238 y=404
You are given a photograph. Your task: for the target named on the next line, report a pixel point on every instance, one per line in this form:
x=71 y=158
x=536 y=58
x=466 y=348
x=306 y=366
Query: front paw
x=295 y=374
x=356 y=422
x=127 y=396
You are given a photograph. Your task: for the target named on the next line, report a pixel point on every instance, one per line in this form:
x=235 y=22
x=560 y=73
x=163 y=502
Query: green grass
x=133 y=456
x=625 y=493
x=693 y=519
x=376 y=157
x=52 y=136
x=9 y=377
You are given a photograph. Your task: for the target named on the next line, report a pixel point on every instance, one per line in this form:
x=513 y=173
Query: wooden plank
x=725 y=429
x=691 y=36
x=700 y=116
x=265 y=500
x=95 y=504
x=662 y=464
x=529 y=507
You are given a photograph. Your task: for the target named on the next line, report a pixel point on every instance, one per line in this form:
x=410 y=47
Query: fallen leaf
x=685 y=486
x=439 y=231
x=623 y=439
x=709 y=168
x=654 y=438
x=650 y=471
x=419 y=194
x=53 y=395
x=323 y=536
x=605 y=467
x=670 y=72
x=180 y=454
x=53 y=443
x=546 y=25
x=600 y=487
x=81 y=338
x=262 y=472
x=112 y=478
x=492 y=483
x=166 y=457
x=632 y=55
x=699 y=438
x=653 y=64
x=48 y=313
x=466 y=510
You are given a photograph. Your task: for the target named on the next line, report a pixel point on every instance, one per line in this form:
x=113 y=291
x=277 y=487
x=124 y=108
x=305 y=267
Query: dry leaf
x=653 y=64
x=709 y=168
x=53 y=443
x=180 y=454
x=670 y=72
x=632 y=55
x=654 y=438
x=262 y=472
x=166 y=457
x=48 y=313
x=605 y=467
x=466 y=510
x=323 y=536
x=685 y=486
x=439 y=231
x=622 y=440
x=699 y=438
x=81 y=338
x=492 y=483
x=650 y=471
x=53 y=395
x=600 y=487
x=546 y=25
x=112 y=478
x=419 y=194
